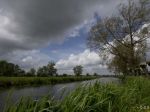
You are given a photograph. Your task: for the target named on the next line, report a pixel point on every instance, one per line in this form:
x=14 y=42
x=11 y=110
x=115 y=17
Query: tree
x=87 y=74
x=48 y=70
x=95 y=74
x=118 y=36
x=5 y=69
x=120 y=65
x=51 y=69
x=78 y=70
x=42 y=71
x=10 y=69
x=65 y=75
x=32 y=72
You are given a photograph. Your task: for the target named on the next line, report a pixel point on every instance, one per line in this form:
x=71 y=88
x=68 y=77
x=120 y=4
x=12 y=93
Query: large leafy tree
x=120 y=65
x=119 y=36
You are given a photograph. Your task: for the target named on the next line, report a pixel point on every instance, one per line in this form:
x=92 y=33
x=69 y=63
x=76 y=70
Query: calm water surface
x=55 y=90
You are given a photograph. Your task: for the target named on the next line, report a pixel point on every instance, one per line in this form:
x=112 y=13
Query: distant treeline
x=11 y=70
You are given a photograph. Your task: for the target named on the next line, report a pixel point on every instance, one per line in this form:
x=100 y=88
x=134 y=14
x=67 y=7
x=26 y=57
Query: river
x=54 y=90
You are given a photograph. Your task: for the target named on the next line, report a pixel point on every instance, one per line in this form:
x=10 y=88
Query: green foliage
x=32 y=72
x=6 y=82
x=51 y=69
x=29 y=105
x=120 y=64
x=48 y=70
x=42 y=71
x=10 y=69
x=95 y=74
x=87 y=74
x=65 y=75
x=132 y=96
x=110 y=98
x=78 y=70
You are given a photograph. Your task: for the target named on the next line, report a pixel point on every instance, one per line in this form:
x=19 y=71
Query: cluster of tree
x=95 y=74
x=119 y=36
x=48 y=70
x=78 y=70
x=10 y=69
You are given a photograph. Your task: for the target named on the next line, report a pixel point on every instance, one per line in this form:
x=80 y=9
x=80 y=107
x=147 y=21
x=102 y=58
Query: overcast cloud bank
x=26 y=26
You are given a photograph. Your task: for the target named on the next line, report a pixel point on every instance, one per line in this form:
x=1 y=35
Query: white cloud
x=89 y=60
x=86 y=25
x=27 y=59
x=84 y=59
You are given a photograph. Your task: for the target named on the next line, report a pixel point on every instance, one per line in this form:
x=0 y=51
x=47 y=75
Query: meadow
x=133 y=95
x=6 y=82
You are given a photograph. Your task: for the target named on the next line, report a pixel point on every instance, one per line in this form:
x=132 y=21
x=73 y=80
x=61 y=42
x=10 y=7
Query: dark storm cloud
x=28 y=24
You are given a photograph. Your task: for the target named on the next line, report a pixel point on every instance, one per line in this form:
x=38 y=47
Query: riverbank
x=131 y=96
x=6 y=82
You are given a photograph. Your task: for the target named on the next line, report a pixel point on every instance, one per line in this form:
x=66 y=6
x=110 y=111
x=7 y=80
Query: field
x=133 y=95
x=6 y=82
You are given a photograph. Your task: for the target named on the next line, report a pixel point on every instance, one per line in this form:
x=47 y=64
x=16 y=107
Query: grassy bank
x=133 y=96
x=6 y=82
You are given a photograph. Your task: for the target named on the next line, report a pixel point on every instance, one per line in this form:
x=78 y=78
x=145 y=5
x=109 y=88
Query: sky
x=34 y=32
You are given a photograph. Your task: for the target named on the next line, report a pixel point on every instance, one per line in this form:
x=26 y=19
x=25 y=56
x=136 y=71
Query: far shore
x=6 y=82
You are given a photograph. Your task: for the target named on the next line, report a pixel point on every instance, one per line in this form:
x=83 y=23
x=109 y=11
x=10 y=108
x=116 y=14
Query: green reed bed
x=132 y=96
x=31 y=81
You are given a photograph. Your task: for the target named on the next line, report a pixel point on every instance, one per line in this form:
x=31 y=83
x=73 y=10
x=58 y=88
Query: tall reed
x=132 y=96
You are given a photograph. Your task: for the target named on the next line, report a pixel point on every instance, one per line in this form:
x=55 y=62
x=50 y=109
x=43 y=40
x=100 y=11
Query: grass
x=132 y=96
x=6 y=82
